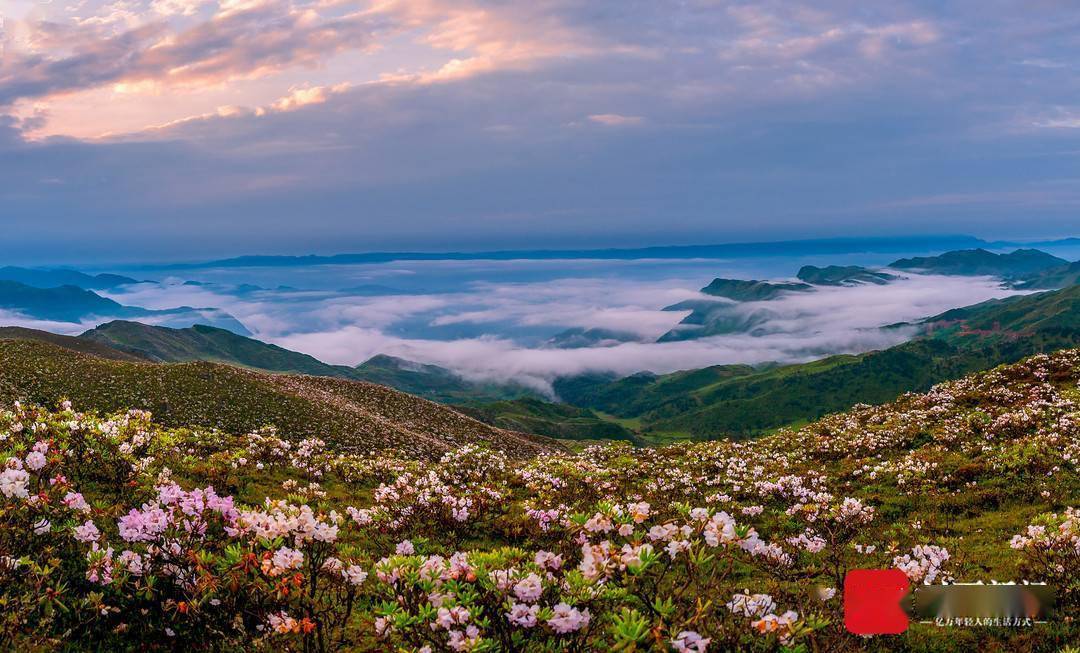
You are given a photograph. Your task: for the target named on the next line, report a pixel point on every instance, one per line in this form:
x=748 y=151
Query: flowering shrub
x=116 y=533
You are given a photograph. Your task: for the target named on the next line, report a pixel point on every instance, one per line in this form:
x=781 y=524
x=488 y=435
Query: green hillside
x=206 y=343
x=545 y=418
x=121 y=535
x=432 y=382
x=1059 y=277
x=69 y=342
x=644 y=392
x=839 y=275
x=1018 y=263
x=742 y=401
x=750 y=291
x=355 y=416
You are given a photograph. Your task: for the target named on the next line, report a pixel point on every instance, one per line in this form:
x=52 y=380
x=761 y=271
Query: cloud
x=487 y=329
x=12 y=318
x=801 y=326
x=615 y=120
x=765 y=120
x=244 y=41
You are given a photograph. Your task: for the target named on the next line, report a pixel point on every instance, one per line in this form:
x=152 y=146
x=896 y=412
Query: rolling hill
x=742 y=401
x=206 y=343
x=433 y=382
x=1019 y=263
x=109 y=518
x=842 y=275
x=545 y=418
x=740 y=290
x=55 y=278
x=354 y=416
x=69 y=342
x=1058 y=277
x=74 y=304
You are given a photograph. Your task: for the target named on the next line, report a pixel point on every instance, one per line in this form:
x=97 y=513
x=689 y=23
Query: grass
x=355 y=416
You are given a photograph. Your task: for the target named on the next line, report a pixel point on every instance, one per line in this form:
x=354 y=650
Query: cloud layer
x=190 y=128
x=489 y=329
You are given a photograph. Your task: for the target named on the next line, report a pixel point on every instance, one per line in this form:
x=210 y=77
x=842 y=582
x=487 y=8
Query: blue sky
x=173 y=129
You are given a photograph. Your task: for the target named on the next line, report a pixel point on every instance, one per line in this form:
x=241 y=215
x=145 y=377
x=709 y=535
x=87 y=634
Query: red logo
x=872 y=601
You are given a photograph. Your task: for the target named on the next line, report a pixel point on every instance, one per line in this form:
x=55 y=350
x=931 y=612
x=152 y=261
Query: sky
x=193 y=129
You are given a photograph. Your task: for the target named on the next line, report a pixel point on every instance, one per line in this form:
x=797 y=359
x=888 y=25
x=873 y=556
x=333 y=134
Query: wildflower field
x=117 y=533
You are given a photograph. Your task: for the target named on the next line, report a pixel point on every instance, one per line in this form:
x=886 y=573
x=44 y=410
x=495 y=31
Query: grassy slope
x=70 y=342
x=205 y=343
x=353 y=415
x=544 y=418
x=1018 y=263
x=433 y=382
x=995 y=450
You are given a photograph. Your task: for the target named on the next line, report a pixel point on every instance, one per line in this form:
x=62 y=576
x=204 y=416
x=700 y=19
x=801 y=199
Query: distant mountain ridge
x=740 y=290
x=711 y=318
x=982 y=262
x=74 y=304
x=806 y=247
x=842 y=275
x=52 y=278
x=61 y=304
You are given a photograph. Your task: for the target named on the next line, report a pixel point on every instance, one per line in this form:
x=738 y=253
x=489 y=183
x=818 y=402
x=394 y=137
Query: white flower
x=529 y=588
x=35 y=460
x=13 y=483
x=354 y=574
x=689 y=641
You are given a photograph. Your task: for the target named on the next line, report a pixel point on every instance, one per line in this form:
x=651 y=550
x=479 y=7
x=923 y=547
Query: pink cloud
x=615 y=119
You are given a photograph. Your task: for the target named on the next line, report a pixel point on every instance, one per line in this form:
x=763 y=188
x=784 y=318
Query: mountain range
x=809 y=247
x=717 y=401
x=74 y=304
x=51 y=278
x=1013 y=265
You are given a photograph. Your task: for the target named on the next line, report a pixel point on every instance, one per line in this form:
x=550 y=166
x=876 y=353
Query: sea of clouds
x=492 y=320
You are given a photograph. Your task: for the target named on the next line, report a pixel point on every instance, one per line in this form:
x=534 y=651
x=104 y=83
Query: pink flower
x=13 y=483
x=447 y=618
x=281 y=622
x=76 y=501
x=548 y=560
x=523 y=615
x=529 y=588
x=567 y=619
x=87 y=532
x=35 y=460
x=405 y=548
x=143 y=525
x=689 y=641
x=354 y=574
